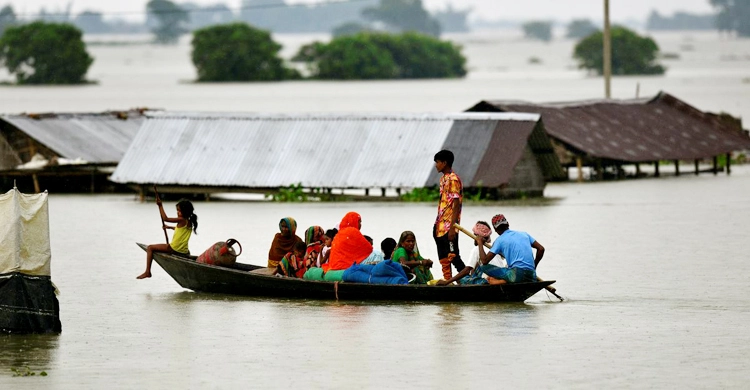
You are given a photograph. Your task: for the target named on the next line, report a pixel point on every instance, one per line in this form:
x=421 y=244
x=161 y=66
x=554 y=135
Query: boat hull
x=240 y=281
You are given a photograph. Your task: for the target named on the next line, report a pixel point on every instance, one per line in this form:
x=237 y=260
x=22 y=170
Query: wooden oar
x=486 y=245
x=160 y=216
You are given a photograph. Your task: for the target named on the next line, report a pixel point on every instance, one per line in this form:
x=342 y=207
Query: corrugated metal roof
x=341 y=151
x=640 y=130
x=96 y=138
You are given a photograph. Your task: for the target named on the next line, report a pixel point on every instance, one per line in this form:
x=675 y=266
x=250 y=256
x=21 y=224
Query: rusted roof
x=332 y=151
x=639 y=130
x=96 y=138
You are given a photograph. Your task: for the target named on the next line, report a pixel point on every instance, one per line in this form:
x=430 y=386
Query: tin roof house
x=612 y=133
x=508 y=154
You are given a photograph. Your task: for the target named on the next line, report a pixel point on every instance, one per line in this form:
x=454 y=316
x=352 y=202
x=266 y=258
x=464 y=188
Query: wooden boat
x=253 y=280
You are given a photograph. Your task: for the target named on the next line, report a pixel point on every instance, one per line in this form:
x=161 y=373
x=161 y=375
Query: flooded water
x=654 y=272
x=712 y=73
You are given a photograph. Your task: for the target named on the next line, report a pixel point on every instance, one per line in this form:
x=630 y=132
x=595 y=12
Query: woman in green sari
x=408 y=255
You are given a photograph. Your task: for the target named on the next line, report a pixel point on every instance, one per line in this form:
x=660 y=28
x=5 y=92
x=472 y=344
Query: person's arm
x=455 y=206
x=539 y=252
x=458 y=276
x=485 y=258
x=411 y=264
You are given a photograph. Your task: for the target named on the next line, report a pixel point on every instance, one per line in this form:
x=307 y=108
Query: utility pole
x=607 y=55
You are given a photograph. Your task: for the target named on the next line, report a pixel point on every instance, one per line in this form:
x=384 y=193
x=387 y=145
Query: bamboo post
x=656 y=169
x=716 y=165
x=579 y=165
x=697 y=170
x=677 y=167
x=607 y=55
x=729 y=163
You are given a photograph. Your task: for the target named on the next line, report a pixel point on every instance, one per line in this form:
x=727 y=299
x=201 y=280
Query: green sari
x=422 y=272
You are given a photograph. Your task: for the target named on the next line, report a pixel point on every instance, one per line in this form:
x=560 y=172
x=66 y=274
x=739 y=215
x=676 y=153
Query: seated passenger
x=388 y=246
x=471 y=274
x=293 y=263
x=516 y=247
x=349 y=246
x=314 y=241
x=326 y=251
x=407 y=253
x=283 y=242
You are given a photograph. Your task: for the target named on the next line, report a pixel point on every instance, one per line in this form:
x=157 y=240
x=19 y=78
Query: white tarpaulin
x=24 y=233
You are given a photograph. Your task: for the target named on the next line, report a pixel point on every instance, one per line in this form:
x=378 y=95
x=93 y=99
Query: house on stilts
x=606 y=135
x=502 y=154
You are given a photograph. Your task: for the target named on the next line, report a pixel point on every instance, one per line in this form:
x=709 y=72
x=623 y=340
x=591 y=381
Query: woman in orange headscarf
x=349 y=246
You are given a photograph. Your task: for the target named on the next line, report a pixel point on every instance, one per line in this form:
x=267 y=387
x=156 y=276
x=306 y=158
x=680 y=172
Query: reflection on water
x=37 y=352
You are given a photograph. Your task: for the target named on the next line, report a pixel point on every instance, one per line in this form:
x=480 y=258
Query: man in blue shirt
x=515 y=246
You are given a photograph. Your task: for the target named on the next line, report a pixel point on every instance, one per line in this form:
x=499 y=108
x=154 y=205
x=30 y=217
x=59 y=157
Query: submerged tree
x=538 y=30
x=238 y=52
x=383 y=56
x=403 y=15
x=171 y=20
x=631 y=53
x=45 y=53
x=733 y=16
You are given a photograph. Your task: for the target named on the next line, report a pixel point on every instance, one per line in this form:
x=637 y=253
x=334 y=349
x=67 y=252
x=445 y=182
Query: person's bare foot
x=144 y=275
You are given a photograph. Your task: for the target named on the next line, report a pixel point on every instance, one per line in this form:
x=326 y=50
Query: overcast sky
x=561 y=10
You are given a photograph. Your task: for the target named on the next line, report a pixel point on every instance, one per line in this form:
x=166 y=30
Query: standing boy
x=449 y=214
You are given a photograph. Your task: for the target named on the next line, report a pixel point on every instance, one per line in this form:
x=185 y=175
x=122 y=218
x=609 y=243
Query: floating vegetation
x=26 y=371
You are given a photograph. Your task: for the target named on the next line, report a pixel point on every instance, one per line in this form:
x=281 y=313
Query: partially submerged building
x=64 y=152
x=613 y=133
x=506 y=153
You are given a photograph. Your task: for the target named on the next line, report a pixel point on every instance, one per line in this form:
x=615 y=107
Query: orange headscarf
x=349 y=246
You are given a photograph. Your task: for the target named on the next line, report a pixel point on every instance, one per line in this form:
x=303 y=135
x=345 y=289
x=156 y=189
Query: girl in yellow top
x=187 y=222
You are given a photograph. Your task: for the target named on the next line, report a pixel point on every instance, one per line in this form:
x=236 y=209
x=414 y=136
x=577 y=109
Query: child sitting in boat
x=407 y=253
x=327 y=240
x=388 y=246
x=314 y=238
x=186 y=223
x=293 y=263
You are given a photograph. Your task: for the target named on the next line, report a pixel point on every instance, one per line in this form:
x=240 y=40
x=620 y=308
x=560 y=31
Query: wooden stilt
x=367 y=192
x=729 y=163
x=579 y=165
x=382 y=192
x=716 y=165
x=599 y=169
x=637 y=170
x=656 y=169
x=677 y=167
x=36 y=183
x=697 y=170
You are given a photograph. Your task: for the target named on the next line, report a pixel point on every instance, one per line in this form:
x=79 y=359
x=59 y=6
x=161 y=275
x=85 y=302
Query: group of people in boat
x=324 y=255
x=327 y=254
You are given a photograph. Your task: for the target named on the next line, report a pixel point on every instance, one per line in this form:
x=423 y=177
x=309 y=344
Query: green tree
x=580 y=28
x=403 y=15
x=733 y=16
x=237 y=52
x=7 y=18
x=380 y=56
x=355 y=57
x=538 y=30
x=631 y=53
x=170 y=20
x=45 y=53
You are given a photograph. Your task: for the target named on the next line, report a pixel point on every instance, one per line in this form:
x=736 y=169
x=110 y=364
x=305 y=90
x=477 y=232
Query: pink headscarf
x=482 y=230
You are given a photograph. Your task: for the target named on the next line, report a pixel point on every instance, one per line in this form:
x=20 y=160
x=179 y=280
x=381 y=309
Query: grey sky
x=562 y=10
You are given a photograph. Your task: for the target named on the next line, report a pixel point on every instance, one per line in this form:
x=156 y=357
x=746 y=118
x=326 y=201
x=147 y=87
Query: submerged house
x=606 y=134
x=64 y=152
x=508 y=154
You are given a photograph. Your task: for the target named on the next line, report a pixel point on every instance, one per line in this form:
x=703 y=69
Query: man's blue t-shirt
x=515 y=246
